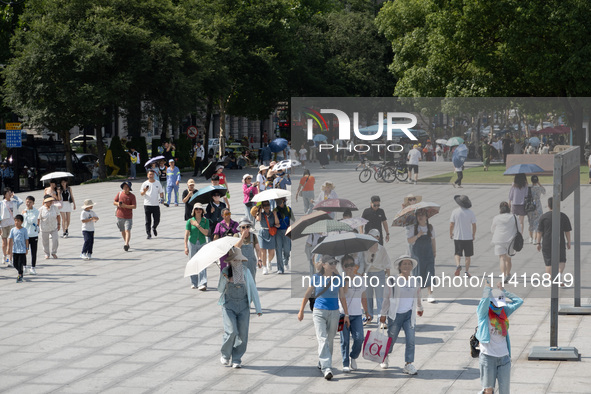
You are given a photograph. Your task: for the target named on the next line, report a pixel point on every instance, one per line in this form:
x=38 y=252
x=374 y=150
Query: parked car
x=213 y=146
x=90 y=140
x=88 y=159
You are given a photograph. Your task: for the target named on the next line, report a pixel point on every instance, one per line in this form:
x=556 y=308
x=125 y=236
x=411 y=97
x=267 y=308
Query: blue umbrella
x=320 y=138
x=534 y=141
x=204 y=195
x=278 y=144
x=460 y=155
x=523 y=169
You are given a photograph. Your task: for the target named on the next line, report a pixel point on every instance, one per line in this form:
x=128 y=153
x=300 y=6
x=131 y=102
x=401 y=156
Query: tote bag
x=376 y=346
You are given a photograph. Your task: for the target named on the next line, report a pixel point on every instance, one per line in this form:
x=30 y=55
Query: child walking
x=31 y=223
x=19 y=244
x=88 y=218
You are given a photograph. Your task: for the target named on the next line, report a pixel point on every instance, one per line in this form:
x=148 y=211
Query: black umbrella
x=345 y=243
x=204 y=195
x=210 y=169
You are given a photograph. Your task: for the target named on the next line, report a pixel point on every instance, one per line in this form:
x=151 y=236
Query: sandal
x=54 y=256
x=458 y=270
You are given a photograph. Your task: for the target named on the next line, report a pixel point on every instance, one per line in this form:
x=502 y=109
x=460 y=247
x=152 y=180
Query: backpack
x=517 y=241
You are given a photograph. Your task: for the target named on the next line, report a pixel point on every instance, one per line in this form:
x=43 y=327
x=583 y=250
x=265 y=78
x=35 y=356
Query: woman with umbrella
x=238 y=292
x=196 y=232
x=249 y=190
x=421 y=238
x=517 y=195
x=533 y=217
x=269 y=225
x=52 y=190
x=326 y=288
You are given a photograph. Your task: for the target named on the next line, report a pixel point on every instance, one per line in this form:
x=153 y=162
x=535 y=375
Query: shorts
x=6 y=231
x=66 y=207
x=124 y=224
x=464 y=247
x=547 y=253
x=518 y=210
x=413 y=167
x=501 y=249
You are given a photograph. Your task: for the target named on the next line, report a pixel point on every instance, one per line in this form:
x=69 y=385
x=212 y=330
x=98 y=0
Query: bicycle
x=380 y=172
x=400 y=170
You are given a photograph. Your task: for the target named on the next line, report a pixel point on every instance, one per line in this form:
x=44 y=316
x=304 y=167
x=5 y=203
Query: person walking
x=269 y=223
x=517 y=195
x=544 y=239
x=187 y=195
x=413 y=158
x=376 y=219
x=88 y=219
x=504 y=227
x=199 y=158
x=460 y=174
x=134 y=160
x=402 y=303
x=249 y=246
x=327 y=288
x=376 y=263
x=282 y=180
x=356 y=300
x=196 y=232
x=238 y=291
x=493 y=334
x=8 y=209
x=249 y=190
x=173 y=178
x=261 y=177
x=306 y=191
x=216 y=181
x=227 y=227
x=125 y=203
x=533 y=217
x=485 y=154
x=68 y=205
x=153 y=193
x=31 y=223
x=421 y=238
x=214 y=209
x=303 y=152
x=462 y=229
x=49 y=224
x=283 y=242
x=19 y=246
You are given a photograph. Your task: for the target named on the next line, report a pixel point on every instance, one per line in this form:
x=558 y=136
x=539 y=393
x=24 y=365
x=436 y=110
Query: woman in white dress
x=68 y=205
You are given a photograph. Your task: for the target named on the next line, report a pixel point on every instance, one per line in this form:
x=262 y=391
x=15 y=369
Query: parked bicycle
x=380 y=172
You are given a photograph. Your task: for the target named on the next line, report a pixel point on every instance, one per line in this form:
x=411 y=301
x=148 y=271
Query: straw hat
x=198 y=205
x=47 y=199
x=400 y=259
x=246 y=176
x=190 y=182
x=87 y=204
x=263 y=167
x=235 y=255
x=418 y=199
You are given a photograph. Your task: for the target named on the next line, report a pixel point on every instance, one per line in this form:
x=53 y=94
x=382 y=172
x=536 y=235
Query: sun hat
x=190 y=182
x=374 y=232
x=235 y=255
x=128 y=183
x=48 y=198
x=198 y=205
x=87 y=203
x=328 y=259
x=246 y=176
x=497 y=297
x=418 y=198
x=244 y=222
x=326 y=183
x=218 y=167
x=463 y=201
x=400 y=259
x=171 y=160
x=263 y=167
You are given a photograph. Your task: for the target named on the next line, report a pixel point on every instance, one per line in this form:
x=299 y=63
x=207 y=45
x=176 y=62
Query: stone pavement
x=129 y=322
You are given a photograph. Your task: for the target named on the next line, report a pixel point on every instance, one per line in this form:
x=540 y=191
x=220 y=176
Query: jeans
x=403 y=320
x=169 y=189
x=235 y=338
x=247 y=213
x=132 y=170
x=308 y=249
x=88 y=242
x=378 y=291
x=355 y=330
x=460 y=176
x=54 y=241
x=308 y=196
x=282 y=249
x=201 y=279
x=151 y=211
x=326 y=323
x=493 y=369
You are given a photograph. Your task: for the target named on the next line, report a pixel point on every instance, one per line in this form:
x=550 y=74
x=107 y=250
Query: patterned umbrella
x=295 y=230
x=326 y=226
x=336 y=205
x=285 y=164
x=355 y=222
x=406 y=216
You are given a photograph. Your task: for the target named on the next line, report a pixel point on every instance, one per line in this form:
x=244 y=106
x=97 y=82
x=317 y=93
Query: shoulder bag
x=517 y=241
x=529 y=204
x=272 y=230
x=474 y=345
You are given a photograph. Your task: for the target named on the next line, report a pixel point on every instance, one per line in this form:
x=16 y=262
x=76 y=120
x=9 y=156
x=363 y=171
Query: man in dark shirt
x=187 y=195
x=213 y=212
x=545 y=236
x=376 y=218
x=507 y=142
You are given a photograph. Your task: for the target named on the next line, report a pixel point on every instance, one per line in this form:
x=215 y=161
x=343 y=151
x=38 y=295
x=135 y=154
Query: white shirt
x=200 y=152
x=381 y=260
x=303 y=154
x=353 y=297
x=414 y=156
x=503 y=228
x=262 y=181
x=410 y=231
x=88 y=226
x=463 y=219
x=408 y=294
x=152 y=196
x=497 y=347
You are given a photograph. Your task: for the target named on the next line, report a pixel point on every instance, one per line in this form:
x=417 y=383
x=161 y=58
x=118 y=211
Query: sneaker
x=19 y=279
x=10 y=264
x=6 y=260
x=126 y=247
x=431 y=299
x=265 y=271
x=458 y=270
x=176 y=205
x=166 y=204
x=469 y=275
x=149 y=236
x=384 y=365
x=224 y=361
x=531 y=240
x=193 y=287
x=32 y=271
x=203 y=288
x=87 y=256
x=235 y=365
x=328 y=374
x=82 y=256
x=353 y=364
x=346 y=369
x=409 y=369
x=155 y=232
x=280 y=272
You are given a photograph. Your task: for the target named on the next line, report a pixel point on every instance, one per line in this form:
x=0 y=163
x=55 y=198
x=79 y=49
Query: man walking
x=544 y=235
x=153 y=192
x=413 y=158
x=376 y=218
x=199 y=157
x=462 y=229
x=173 y=177
x=125 y=203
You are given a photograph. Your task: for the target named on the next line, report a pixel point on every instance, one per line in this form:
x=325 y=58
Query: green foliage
x=120 y=157
x=156 y=142
x=183 y=151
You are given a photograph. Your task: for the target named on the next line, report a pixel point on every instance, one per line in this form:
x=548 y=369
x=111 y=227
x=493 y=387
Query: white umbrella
x=285 y=164
x=209 y=254
x=355 y=222
x=271 y=194
x=441 y=141
x=56 y=175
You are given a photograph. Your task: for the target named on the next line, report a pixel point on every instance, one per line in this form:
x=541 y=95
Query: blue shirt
x=19 y=237
x=173 y=175
x=329 y=299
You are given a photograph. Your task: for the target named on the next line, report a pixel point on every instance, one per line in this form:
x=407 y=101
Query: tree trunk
x=164 y=132
x=134 y=120
x=574 y=112
x=100 y=148
x=66 y=137
x=207 y=123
